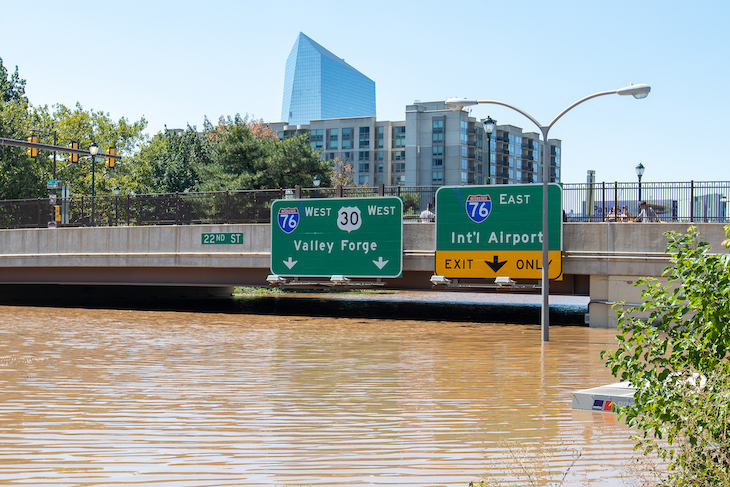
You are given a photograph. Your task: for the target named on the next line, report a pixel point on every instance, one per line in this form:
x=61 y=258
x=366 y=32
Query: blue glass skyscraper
x=318 y=85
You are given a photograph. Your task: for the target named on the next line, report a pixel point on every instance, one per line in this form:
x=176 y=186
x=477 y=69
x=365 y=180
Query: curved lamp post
x=640 y=172
x=93 y=150
x=637 y=91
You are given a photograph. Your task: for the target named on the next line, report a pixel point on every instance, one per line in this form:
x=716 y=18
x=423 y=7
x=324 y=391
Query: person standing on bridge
x=647 y=214
x=625 y=215
x=428 y=215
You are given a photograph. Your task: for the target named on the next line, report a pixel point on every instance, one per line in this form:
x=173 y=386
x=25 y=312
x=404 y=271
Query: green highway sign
x=496 y=230
x=222 y=238
x=354 y=237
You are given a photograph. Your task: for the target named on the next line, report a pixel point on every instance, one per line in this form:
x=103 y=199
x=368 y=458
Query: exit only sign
x=493 y=231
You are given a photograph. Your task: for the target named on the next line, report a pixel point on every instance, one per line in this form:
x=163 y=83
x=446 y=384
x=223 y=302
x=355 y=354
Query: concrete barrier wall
x=589 y=248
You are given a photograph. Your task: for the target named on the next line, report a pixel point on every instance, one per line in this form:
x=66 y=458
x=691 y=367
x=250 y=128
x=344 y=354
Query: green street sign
x=222 y=238
x=354 y=237
x=492 y=231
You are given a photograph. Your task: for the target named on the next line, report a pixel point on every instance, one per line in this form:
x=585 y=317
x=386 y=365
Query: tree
x=679 y=360
x=13 y=88
x=175 y=160
x=248 y=155
x=90 y=126
x=341 y=172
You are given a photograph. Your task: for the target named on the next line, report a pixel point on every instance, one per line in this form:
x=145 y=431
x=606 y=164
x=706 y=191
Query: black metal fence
x=582 y=202
x=693 y=201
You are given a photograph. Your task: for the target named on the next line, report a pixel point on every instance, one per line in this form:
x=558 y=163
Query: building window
x=464 y=164
x=399 y=167
x=438 y=176
x=364 y=179
x=332 y=139
x=347 y=156
x=399 y=136
x=364 y=137
x=438 y=137
x=399 y=155
x=379 y=137
x=464 y=177
x=464 y=132
x=438 y=162
x=438 y=150
x=379 y=156
x=363 y=155
x=364 y=167
x=347 y=138
x=316 y=139
x=379 y=168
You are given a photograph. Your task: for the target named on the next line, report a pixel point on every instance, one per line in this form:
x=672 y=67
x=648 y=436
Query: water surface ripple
x=110 y=398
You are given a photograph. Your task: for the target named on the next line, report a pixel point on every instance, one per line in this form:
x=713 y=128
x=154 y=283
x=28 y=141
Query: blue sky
x=176 y=62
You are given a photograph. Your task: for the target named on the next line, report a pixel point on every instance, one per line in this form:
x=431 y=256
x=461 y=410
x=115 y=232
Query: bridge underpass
x=600 y=260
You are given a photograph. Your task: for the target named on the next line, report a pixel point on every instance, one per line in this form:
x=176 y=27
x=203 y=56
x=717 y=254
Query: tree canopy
x=679 y=361
x=12 y=88
x=237 y=153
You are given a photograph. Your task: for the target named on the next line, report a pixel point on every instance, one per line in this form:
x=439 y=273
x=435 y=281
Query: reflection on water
x=105 y=397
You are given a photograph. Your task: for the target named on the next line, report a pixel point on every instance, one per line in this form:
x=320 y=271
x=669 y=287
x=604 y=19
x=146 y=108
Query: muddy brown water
x=111 y=398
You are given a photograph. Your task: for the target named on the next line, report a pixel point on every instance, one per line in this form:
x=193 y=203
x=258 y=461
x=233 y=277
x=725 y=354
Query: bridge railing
x=691 y=201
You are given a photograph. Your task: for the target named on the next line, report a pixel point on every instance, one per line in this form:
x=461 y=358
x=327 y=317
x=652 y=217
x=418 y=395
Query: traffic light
x=110 y=160
x=73 y=156
x=57 y=213
x=32 y=151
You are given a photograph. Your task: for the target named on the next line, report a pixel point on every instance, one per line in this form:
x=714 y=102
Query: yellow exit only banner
x=485 y=264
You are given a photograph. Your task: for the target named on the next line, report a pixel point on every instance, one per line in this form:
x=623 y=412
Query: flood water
x=111 y=398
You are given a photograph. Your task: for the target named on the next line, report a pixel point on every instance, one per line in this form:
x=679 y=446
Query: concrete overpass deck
x=600 y=260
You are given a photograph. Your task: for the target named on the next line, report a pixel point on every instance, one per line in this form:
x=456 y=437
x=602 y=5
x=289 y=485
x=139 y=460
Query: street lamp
x=116 y=205
x=317 y=181
x=93 y=150
x=640 y=172
x=489 y=126
x=637 y=91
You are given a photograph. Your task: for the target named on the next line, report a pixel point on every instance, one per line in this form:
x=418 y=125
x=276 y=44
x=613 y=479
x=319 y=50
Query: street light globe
x=116 y=191
x=317 y=181
x=638 y=91
x=489 y=125
x=93 y=149
x=640 y=170
x=459 y=103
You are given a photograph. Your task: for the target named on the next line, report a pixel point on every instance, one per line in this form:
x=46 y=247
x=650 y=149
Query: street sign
x=353 y=237
x=52 y=224
x=52 y=184
x=494 y=231
x=222 y=239
x=52 y=199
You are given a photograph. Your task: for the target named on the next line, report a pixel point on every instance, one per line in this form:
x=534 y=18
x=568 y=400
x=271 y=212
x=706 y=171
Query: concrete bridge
x=600 y=260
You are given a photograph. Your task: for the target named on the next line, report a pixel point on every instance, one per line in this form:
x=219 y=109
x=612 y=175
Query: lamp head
x=459 y=103
x=116 y=191
x=93 y=149
x=489 y=125
x=638 y=91
x=317 y=181
x=640 y=170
